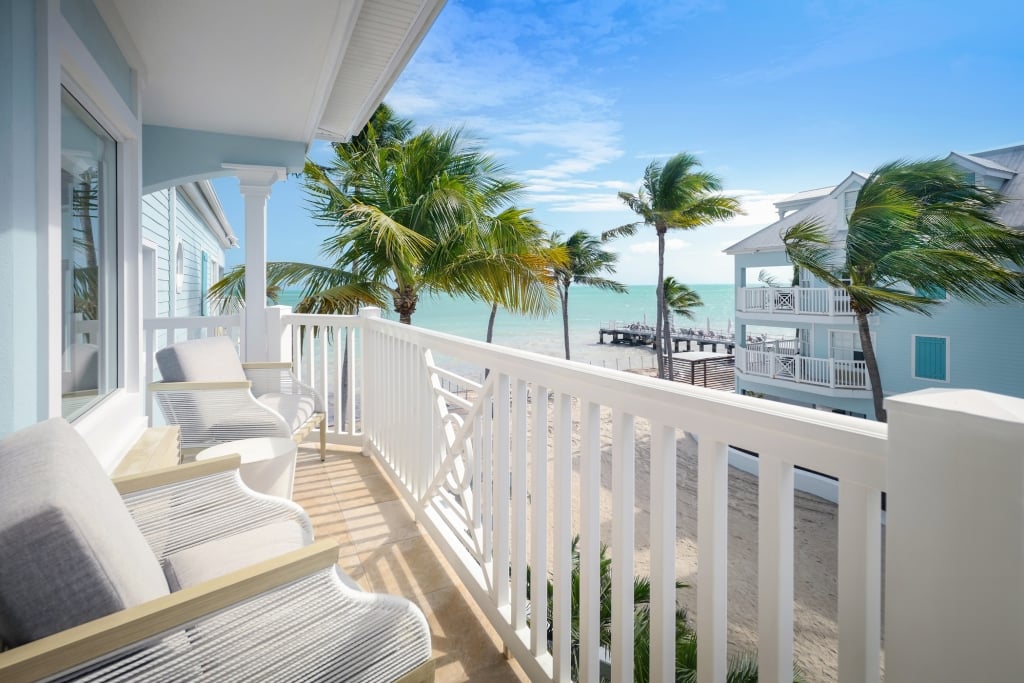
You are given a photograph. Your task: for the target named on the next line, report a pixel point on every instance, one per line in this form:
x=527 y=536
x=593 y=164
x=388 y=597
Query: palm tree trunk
x=405 y=299
x=564 y=296
x=659 y=331
x=490 y=323
x=871 y=362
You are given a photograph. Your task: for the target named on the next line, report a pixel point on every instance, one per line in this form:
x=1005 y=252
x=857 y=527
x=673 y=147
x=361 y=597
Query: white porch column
x=954 y=602
x=254 y=184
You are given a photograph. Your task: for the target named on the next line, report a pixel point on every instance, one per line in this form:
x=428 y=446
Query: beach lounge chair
x=178 y=575
x=215 y=398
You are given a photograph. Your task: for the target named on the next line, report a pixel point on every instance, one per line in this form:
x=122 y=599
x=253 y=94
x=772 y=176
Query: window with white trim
x=89 y=260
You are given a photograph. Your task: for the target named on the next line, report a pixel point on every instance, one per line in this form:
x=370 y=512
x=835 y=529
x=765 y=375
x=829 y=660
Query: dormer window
x=850 y=201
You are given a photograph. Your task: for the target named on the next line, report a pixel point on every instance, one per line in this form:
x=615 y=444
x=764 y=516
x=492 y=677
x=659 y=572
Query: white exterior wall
x=164 y=225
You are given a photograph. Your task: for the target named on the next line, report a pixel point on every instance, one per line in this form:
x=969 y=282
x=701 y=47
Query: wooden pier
x=638 y=334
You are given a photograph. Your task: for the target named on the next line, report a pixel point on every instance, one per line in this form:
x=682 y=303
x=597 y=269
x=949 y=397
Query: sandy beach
x=815 y=547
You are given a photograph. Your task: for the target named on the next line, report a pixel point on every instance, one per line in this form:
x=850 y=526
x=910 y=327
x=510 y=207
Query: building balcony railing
x=790 y=367
x=503 y=468
x=827 y=301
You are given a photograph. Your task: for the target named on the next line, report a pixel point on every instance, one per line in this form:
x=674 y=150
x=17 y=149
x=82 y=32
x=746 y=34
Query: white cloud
x=651 y=247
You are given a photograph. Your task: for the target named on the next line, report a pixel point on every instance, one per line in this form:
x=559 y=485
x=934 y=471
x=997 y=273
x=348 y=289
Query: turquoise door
x=930 y=358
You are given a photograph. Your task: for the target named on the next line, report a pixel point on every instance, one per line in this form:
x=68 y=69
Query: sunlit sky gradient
x=775 y=97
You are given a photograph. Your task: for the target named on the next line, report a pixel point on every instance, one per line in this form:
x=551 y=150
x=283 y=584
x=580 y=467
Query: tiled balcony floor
x=352 y=502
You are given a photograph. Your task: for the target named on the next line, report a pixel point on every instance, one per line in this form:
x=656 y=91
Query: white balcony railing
x=482 y=486
x=823 y=372
x=496 y=500
x=794 y=300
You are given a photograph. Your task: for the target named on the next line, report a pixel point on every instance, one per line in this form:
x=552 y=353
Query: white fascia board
x=203 y=197
x=429 y=10
x=980 y=169
x=341 y=36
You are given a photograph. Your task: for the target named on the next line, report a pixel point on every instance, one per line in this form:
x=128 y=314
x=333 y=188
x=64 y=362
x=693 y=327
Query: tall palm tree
x=674 y=196
x=680 y=300
x=412 y=217
x=917 y=227
x=587 y=260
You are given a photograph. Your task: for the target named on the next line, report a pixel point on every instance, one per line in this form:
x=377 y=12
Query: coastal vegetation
x=918 y=230
x=413 y=214
x=681 y=300
x=742 y=667
x=585 y=262
x=676 y=196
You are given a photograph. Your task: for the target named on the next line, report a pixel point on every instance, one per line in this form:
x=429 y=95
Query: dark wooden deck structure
x=705 y=369
x=637 y=334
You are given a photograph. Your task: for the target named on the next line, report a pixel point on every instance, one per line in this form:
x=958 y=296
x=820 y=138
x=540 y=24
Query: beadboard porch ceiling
x=280 y=70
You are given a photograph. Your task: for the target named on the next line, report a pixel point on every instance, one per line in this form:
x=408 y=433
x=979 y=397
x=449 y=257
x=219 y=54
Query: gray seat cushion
x=294 y=408
x=225 y=555
x=212 y=359
x=69 y=549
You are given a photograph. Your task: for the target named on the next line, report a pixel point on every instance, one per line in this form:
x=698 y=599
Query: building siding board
x=195 y=236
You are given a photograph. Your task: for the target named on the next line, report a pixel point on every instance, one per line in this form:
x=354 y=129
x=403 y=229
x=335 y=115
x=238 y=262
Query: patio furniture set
x=203 y=571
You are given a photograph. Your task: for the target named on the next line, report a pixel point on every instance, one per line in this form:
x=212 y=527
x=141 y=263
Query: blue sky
x=576 y=98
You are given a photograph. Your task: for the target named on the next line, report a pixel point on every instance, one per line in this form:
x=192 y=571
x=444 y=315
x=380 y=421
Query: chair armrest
x=189 y=505
x=92 y=641
x=279 y=378
x=133 y=483
x=268 y=365
x=199 y=386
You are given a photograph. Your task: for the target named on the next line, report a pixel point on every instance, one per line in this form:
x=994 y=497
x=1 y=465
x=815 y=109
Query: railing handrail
x=189 y=322
x=827 y=443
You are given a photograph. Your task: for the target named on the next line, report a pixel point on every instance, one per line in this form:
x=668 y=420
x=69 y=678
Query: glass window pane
x=88 y=260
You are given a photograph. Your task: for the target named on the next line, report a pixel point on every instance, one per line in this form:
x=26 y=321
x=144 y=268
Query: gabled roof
x=981 y=161
x=828 y=209
x=290 y=71
x=1012 y=159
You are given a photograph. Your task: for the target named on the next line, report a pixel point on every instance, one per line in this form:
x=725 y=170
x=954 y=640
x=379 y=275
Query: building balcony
x=787 y=365
x=794 y=301
x=501 y=470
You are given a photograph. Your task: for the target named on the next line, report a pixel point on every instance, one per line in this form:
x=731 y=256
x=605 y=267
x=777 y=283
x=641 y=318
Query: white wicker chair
x=216 y=398
x=85 y=573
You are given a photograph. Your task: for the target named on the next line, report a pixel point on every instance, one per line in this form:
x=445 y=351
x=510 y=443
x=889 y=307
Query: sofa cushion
x=296 y=409
x=212 y=359
x=225 y=555
x=71 y=552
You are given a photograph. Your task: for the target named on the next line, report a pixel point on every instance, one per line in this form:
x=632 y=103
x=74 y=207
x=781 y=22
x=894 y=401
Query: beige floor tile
x=360 y=491
x=371 y=526
x=461 y=644
x=408 y=568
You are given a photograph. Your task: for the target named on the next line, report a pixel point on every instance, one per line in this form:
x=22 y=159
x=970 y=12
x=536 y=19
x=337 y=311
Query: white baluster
x=860 y=583
x=775 y=570
x=539 y=522
x=519 y=506
x=501 y=492
x=590 y=541
x=712 y=560
x=623 y=530
x=663 y=552
x=562 y=577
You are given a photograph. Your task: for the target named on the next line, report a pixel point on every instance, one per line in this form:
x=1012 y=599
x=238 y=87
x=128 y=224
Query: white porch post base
x=254 y=184
x=955 y=537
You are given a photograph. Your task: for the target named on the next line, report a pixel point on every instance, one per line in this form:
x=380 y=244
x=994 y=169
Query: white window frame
x=179 y=267
x=115 y=421
x=913 y=358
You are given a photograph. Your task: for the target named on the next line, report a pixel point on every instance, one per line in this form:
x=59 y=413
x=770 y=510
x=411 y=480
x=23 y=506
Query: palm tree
x=586 y=261
x=674 y=196
x=681 y=300
x=412 y=216
x=917 y=227
x=515 y=236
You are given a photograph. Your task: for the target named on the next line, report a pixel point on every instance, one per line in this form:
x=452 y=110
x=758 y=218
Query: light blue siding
x=202 y=251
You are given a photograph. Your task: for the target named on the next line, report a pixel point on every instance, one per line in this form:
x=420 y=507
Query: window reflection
x=89 y=260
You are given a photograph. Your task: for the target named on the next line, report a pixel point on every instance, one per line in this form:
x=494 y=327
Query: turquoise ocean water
x=589 y=310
